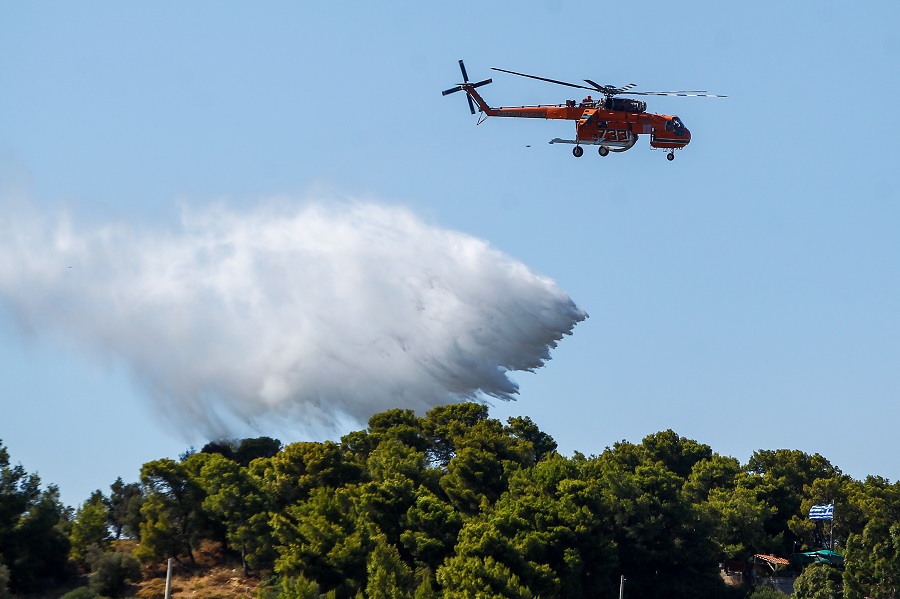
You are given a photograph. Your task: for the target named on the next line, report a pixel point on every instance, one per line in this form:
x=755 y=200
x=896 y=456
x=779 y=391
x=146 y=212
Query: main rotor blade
x=545 y=79
x=612 y=90
x=462 y=68
x=694 y=94
x=606 y=89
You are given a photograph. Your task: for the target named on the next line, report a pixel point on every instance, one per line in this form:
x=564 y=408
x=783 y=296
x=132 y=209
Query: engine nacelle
x=625 y=105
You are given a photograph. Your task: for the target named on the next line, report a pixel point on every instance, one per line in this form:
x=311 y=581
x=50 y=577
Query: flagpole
x=831 y=536
x=824 y=512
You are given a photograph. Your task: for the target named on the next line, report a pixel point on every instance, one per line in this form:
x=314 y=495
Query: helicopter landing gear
x=603 y=150
x=670 y=156
x=577 y=151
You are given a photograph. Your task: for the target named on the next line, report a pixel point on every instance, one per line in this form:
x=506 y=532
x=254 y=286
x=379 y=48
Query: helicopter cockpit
x=676 y=126
x=672 y=135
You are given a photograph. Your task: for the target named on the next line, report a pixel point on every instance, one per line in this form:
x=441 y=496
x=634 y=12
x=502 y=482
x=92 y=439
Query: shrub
x=819 y=581
x=767 y=593
x=82 y=593
x=4 y=582
x=112 y=573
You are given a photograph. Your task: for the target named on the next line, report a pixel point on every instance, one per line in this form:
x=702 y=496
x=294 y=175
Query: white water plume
x=314 y=312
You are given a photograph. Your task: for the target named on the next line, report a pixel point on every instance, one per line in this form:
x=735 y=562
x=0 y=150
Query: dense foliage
x=33 y=543
x=456 y=504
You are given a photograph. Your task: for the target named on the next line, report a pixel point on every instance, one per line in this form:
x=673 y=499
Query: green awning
x=822 y=556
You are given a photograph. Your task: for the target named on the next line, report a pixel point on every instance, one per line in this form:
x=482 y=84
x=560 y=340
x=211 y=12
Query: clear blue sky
x=745 y=295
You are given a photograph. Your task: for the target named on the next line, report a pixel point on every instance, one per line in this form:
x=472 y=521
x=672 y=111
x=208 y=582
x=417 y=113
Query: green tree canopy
x=124 y=508
x=173 y=517
x=90 y=527
x=458 y=504
x=818 y=581
x=872 y=561
x=33 y=545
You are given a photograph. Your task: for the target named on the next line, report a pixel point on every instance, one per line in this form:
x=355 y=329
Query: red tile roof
x=773 y=559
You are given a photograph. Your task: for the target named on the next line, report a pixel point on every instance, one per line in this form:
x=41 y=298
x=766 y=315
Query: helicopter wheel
x=603 y=150
x=670 y=156
x=577 y=151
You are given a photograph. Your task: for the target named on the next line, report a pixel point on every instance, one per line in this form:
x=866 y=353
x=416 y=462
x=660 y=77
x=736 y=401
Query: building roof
x=772 y=559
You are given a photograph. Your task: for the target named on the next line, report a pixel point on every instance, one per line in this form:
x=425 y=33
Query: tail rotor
x=466 y=87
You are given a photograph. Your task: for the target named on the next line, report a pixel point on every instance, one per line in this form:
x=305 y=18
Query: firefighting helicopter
x=612 y=123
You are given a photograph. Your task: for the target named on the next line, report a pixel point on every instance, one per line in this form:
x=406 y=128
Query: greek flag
x=822 y=512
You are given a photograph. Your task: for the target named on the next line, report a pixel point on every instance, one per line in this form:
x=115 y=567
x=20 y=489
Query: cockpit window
x=677 y=122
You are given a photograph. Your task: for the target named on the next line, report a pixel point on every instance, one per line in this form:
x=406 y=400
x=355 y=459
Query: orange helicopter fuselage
x=596 y=125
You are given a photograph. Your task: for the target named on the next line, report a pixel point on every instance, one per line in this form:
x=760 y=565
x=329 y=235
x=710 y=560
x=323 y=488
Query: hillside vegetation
x=453 y=504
